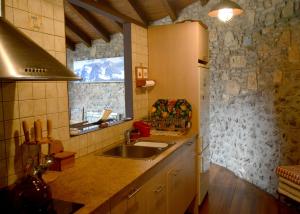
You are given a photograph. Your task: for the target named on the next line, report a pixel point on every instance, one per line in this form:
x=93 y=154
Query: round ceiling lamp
x=225 y=10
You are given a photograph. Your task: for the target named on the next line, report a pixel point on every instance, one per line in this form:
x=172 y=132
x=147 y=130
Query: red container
x=143 y=127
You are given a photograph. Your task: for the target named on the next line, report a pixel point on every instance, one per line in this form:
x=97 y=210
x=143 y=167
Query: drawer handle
x=134 y=193
x=159 y=189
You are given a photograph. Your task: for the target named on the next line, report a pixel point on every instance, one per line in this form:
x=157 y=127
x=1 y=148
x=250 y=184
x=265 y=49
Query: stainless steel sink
x=135 y=152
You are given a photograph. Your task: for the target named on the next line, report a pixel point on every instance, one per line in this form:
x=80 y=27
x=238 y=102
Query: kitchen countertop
x=95 y=179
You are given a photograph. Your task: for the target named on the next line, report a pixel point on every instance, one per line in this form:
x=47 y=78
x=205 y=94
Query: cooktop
x=56 y=206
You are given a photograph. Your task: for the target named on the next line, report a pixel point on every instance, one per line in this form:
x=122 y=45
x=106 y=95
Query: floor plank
x=229 y=194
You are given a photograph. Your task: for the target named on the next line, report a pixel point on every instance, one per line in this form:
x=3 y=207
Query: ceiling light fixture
x=225 y=10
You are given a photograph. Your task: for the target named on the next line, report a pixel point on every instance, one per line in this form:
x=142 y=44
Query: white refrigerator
x=203 y=155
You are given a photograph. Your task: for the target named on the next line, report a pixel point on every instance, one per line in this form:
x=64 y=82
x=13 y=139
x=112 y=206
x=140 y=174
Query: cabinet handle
x=189 y=143
x=159 y=189
x=175 y=173
x=134 y=193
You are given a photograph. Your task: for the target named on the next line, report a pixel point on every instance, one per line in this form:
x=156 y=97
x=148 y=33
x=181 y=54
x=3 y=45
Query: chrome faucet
x=127 y=134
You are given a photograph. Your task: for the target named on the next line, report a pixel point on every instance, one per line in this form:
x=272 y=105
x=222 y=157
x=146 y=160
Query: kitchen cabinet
x=181 y=180
x=156 y=194
x=174 y=54
x=174 y=51
x=132 y=202
x=168 y=188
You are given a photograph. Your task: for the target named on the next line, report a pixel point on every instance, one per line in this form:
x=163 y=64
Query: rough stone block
x=251 y=17
x=247 y=41
x=277 y=77
x=294 y=54
x=270 y=19
x=252 y=81
x=232 y=88
x=288 y=10
x=237 y=62
x=285 y=38
x=229 y=40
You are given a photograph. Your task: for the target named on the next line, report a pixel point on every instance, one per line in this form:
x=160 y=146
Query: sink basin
x=137 y=151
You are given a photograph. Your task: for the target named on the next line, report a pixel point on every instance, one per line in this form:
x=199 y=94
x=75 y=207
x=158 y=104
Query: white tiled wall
x=32 y=100
x=43 y=21
x=97 y=140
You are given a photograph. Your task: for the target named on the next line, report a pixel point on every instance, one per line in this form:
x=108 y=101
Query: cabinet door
x=181 y=180
x=157 y=194
x=203 y=44
x=175 y=189
x=189 y=172
x=132 y=203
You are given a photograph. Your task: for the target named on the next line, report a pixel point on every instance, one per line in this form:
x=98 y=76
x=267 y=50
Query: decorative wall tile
x=47 y=8
x=34 y=6
x=25 y=90
x=11 y=110
x=21 y=19
x=51 y=90
x=12 y=128
x=52 y=105
x=26 y=108
x=39 y=90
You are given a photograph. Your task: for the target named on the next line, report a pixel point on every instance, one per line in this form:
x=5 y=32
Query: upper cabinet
x=203 y=44
x=1 y=7
x=174 y=51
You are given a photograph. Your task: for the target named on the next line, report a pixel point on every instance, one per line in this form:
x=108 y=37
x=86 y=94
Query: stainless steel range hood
x=22 y=59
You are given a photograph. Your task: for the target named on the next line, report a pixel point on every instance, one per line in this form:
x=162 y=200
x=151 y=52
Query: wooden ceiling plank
x=169 y=9
x=93 y=23
x=70 y=44
x=105 y=10
x=119 y=26
x=75 y=29
x=137 y=8
x=204 y=2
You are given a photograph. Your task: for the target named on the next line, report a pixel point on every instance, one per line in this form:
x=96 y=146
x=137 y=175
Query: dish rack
x=171 y=115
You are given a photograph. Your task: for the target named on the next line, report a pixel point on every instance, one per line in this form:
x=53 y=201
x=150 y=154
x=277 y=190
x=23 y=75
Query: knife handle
x=26 y=131
x=38 y=130
x=49 y=129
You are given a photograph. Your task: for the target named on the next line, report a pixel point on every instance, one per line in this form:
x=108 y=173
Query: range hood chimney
x=22 y=59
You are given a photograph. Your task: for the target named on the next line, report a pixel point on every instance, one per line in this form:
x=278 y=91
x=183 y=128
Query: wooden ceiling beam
x=70 y=44
x=105 y=10
x=137 y=8
x=204 y=2
x=91 y=21
x=75 y=29
x=170 y=10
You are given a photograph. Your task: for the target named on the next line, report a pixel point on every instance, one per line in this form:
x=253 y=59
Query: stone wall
x=254 y=87
x=94 y=97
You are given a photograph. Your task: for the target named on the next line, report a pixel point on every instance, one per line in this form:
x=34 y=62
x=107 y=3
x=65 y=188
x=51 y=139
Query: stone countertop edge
x=94 y=180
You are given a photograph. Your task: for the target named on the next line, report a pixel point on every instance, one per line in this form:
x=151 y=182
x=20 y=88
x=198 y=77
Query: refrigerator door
x=203 y=108
x=203 y=174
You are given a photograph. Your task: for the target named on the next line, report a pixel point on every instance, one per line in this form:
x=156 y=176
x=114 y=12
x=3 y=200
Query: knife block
x=63 y=160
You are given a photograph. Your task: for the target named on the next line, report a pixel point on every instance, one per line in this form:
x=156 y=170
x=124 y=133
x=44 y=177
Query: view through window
x=101 y=88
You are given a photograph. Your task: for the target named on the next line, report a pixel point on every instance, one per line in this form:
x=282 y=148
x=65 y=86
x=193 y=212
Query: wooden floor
x=230 y=195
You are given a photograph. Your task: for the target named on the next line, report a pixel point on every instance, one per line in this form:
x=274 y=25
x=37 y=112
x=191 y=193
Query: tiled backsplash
x=43 y=21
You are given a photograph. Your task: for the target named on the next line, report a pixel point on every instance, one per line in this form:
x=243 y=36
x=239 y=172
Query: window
x=102 y=87
x=106 y=83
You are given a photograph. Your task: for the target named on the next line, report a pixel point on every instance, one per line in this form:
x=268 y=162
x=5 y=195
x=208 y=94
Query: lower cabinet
x=156 y=194
x=132 y=202
x=170 y=190
x=181 y=180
